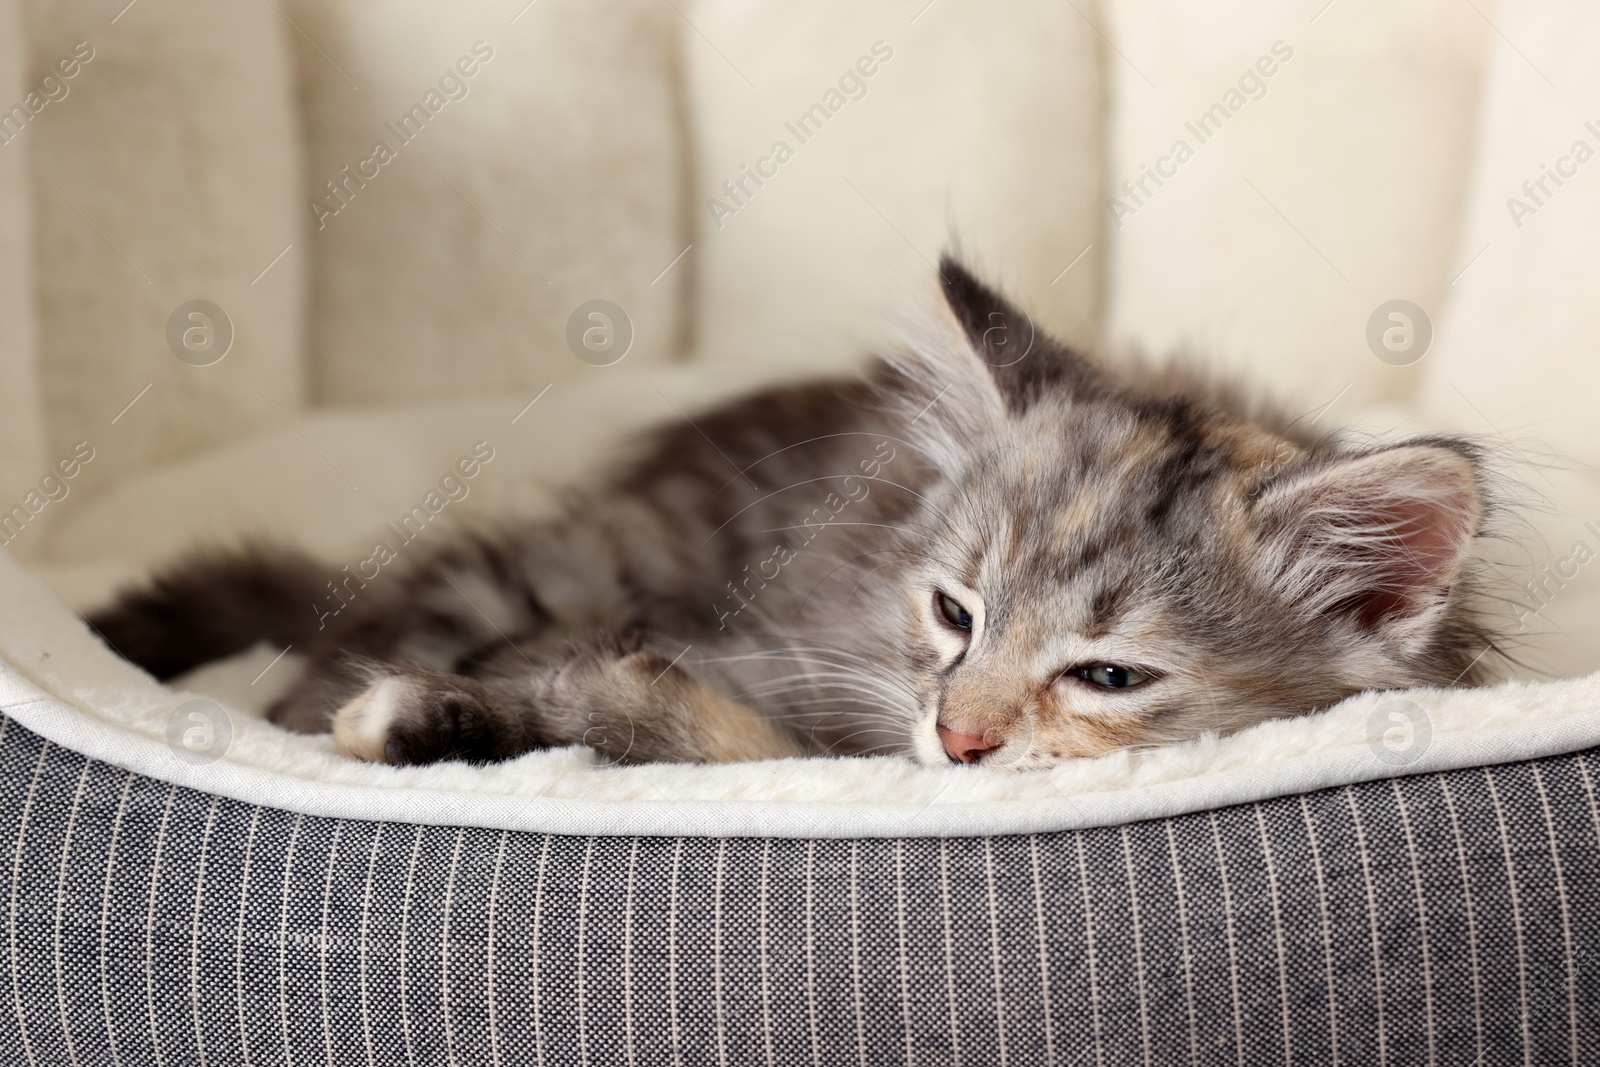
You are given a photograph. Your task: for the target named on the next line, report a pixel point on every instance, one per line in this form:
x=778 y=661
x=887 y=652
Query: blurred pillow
x=21 y=422
x=1519 y=351
x=840 y=147
x=166 y=168
x=1515 y=360
x=530 y=162
x=1322 y=174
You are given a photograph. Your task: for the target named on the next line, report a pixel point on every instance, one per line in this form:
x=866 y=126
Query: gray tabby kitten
x=989 y=549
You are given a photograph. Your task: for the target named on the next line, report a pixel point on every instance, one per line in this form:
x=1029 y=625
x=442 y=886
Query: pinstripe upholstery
x=1445 y=918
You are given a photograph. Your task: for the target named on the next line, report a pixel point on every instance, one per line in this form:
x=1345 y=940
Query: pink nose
x=966 y=748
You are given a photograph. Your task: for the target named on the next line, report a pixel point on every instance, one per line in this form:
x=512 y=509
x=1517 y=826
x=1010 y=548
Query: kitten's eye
x=954 y=613
x=1110 y=676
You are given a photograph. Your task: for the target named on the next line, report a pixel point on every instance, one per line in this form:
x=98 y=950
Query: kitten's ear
x=1378 y=539
x=1022 y=360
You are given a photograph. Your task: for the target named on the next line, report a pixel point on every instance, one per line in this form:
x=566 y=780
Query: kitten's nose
x=966 y=748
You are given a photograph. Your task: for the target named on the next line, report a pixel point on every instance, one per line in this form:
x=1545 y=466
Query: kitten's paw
x=404 y=719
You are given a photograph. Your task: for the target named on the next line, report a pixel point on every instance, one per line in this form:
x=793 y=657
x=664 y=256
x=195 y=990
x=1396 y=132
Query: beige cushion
x=22 y=460
x=169 y=172
x=983 y=125
x=1515 y=361
x=554 y=180
x=1337 y=188
x=1520 y=350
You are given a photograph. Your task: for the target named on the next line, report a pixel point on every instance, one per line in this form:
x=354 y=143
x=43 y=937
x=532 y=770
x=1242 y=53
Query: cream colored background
x=429 y=312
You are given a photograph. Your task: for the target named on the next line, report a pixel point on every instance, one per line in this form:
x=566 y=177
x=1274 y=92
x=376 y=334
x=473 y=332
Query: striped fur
x=771 y=579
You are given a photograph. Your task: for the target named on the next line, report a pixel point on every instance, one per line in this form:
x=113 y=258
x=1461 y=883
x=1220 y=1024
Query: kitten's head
x=1102 y=564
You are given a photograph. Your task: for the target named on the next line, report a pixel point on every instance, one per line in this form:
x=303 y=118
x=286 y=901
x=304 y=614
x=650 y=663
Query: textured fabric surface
x=1445 y=918
x=978 y=124
x=546 y=172
x=170 y=171
x=1267 y=239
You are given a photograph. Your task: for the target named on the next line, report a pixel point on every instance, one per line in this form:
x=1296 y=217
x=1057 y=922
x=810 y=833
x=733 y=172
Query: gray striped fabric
x=1445 y=918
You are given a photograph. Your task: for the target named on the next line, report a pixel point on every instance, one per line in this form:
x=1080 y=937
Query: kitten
x=987 y=550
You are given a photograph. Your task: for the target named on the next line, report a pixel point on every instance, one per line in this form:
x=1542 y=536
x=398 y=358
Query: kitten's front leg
x=629 y=706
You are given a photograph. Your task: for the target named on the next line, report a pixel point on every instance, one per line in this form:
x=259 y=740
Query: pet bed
x=1353 y=888
x=1319 y=891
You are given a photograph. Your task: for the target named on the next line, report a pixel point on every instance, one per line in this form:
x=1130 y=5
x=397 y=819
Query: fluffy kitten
x=988 y=549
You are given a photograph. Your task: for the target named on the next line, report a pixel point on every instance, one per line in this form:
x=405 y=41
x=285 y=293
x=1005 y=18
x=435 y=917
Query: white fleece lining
x=385 y=796
x=58 y=681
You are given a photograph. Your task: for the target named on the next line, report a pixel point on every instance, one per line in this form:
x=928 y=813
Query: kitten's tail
x=212 y=605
